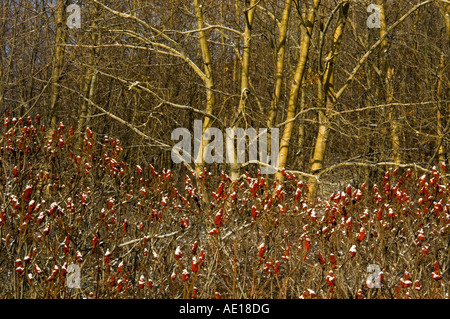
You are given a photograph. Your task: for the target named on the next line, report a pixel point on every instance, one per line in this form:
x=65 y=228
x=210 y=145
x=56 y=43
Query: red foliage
x=90 y=206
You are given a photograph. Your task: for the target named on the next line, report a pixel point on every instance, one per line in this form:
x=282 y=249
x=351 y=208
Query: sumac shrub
x=132 y=232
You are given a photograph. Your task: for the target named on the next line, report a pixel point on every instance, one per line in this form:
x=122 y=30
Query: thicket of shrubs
x=134 y=233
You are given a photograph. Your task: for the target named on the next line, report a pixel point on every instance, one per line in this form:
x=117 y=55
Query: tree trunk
x=327 y=98
x=209 y=84
x=58 y=57
x=447 y=18
x=90 y=82
x=281 y=48
x=442 y=110
x=388 y=73
x=235 y=167
x=440 y=115
x=306 y=30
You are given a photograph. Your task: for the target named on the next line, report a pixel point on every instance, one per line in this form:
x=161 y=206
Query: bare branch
x=376 y=44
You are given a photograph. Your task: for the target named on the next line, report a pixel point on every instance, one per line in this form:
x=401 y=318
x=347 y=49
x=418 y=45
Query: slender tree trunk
x=246 y=50
x=249 y=12
x=279 y=73
x=440 y=115
x=447 y=18
x=209 y=84
x=306 y=30
x=58 y=56
x=441 y=109
x=90 y=82
x=371 y=71
x=300 y=155
x=388 y=74
x=6 y=73
x=281 y=48
x=327 y=98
